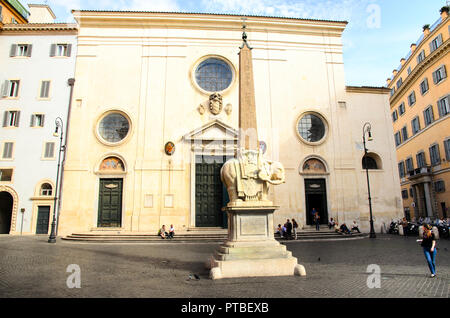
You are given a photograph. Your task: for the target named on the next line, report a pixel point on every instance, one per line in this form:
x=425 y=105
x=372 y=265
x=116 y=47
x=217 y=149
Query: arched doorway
x=6 y=209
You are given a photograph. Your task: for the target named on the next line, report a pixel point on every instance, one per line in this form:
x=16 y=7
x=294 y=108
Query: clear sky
x=379 y=33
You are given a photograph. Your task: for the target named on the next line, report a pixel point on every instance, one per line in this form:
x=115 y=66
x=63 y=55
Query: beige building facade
x=420 y=107
x=155 y=115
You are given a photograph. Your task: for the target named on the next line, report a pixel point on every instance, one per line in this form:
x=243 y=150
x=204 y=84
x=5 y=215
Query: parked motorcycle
x=393 y=228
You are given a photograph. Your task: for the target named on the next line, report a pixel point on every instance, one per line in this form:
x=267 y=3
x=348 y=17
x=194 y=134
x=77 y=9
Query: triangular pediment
x=214 y=130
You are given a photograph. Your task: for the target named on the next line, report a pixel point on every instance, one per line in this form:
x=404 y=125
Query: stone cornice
x=416 y=52
x=207 y=21
x=418 y=71
x=367 y=89
x=33 y=27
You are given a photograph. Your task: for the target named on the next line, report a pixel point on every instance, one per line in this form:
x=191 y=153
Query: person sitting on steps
x=162 y=232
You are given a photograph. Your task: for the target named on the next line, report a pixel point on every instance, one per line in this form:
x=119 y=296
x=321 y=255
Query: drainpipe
x=71 y=83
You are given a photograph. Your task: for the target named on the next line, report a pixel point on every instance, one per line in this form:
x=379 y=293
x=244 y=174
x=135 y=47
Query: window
x=60 y=50
x=420 y=157
x=398 y=139
x=369 y=163
x=311 y=128
x=10 y=88
x=409 y=70
x=394 y=116
x=6 y=174
x=412 y=98
x=443 y=106
x=405 y=194
x=411 y=192
x=13 y=20
x=45 y=89
x=428 y=115
x=439 y=75
x=435 y=43
x=434 y=155
x=114 y=127
x=214 y=75
x=439 y=186
x=404 y=134
x=11 y=118
x=421 y=57
x=46 y=189
x=424 y=86
x=49 y=151
x=37 y=120
x=447 y=149
x=409 y=164
x=401 y=169
x=20 y=50
x=415 y=125
x=401 y=109
x=392 y=91
x=8 y=150
x=399 y=82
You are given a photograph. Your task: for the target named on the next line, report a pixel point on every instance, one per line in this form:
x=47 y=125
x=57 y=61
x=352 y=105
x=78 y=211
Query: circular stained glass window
x=213 y=75
x=114 y=127
x=311 y=128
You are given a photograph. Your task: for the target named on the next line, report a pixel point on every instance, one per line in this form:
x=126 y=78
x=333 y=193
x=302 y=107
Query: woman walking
x=295 y=227
x=429 y=248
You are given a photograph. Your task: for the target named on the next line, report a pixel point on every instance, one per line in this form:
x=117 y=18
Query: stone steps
x=200 y=236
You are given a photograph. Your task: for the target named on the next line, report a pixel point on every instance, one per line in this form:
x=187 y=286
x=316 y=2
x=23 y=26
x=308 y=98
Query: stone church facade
x=155 y=116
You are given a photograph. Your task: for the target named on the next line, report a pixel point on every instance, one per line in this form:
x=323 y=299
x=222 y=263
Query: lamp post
x=59 y=124
x=366 y=129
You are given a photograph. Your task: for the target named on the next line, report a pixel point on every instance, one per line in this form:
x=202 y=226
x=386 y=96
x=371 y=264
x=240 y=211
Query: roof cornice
x=31 y=27
x=367 y=90
x=418 y=71
x=202 y=20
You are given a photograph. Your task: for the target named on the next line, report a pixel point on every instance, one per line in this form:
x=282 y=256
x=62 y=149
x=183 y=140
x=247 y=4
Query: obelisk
x=251 y=249
x=247 y=105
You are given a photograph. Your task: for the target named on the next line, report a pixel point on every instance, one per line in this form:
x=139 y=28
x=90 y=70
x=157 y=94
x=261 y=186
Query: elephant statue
x=247 y=179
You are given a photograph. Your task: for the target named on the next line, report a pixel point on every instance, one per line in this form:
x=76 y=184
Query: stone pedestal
x=251 y=249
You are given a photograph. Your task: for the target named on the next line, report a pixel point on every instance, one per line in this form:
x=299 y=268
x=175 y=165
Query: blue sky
x=379 y=33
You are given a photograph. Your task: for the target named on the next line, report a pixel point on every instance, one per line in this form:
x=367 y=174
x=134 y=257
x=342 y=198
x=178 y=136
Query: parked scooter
x=393 y=228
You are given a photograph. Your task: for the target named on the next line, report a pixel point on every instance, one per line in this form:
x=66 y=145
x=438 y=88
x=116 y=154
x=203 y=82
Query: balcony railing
x=419 y=172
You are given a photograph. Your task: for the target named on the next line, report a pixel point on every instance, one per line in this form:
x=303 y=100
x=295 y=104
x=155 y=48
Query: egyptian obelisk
x=251 y=249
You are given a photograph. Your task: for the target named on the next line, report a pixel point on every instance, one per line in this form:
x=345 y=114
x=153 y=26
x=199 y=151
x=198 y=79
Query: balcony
x=422 y=174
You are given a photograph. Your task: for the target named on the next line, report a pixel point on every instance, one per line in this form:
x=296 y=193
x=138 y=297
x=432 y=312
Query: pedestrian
x=295 y=227
x=344 y=229
x=162 y=232
x=171 y=232
x=280 y=230
x=355 y=227
x=317 y=220
x=331 y=223
x=429 y=247
x=283 y=230
x=405 y=227
x=288 y=229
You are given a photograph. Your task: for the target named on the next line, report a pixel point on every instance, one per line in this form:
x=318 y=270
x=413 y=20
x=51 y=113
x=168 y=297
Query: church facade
x=155 y=116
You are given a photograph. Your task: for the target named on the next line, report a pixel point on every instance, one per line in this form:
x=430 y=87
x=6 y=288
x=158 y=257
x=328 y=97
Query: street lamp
x=366 y=129
x=59 y=125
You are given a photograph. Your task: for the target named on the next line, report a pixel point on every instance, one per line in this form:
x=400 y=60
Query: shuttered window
x=404 y=134
x=401 y=109
x=424 y=86
x=439 y=75
x=398 y=139
x=6 y=174
x=20 y=50
x=10 y=88
x=428 y=116
x=409 y=165
x=447 y=149
x=37 y=120
x=45 y=89
x=436 y=42
x=434 y=155
x=60 y=50
x=421 y=162
x=412 y=98
x=49 y=151
x=394 y=116
x=443 y=106
x=415 y=125
x=421 y=57
x=8 y=150
x=11 y=118
x=401 y=169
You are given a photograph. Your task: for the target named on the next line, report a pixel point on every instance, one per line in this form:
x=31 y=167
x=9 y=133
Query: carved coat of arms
x=215 y=103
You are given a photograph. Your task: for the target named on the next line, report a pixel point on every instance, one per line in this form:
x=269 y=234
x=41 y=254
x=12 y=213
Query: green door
x=209 y=194
x=43 y=219
x=110 y=203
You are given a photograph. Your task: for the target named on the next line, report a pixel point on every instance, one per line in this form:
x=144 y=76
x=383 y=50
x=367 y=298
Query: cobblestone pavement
x=31 y=267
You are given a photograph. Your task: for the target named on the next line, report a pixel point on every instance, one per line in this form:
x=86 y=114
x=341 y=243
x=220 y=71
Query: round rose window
x=311 y=128
x=213 y=75
x=114 y=127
